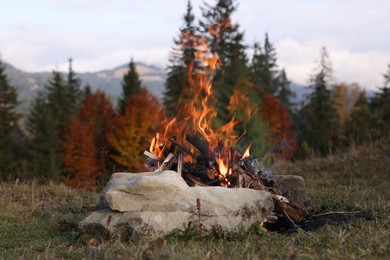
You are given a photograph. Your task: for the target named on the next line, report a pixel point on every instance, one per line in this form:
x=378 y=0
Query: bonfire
x=205 y=156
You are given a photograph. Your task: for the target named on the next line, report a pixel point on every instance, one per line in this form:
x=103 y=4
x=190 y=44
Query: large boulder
x=157 y=203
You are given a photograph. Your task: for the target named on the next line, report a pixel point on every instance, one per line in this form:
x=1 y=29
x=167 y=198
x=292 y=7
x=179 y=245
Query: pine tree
x=43 y=147
x=74 y=88
x=8 y=123
x=361 y=122
x=380 y=105
x=59 y=100
x=264 y=67
x=131 y=85
x=181 y=56
x=284 y=91
x=50 y=115
x=320 y=117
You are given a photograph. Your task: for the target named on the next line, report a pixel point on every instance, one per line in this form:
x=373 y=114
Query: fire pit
x=200 y=178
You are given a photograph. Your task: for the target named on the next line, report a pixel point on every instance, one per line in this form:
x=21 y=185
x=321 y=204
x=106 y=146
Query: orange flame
x=246 y=154
x=196 y=111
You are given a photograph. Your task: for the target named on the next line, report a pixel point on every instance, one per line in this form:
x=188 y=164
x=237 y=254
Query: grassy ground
x=41 y=221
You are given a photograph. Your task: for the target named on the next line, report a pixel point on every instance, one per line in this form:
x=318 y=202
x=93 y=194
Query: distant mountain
x=153 y=78
x=29 y=84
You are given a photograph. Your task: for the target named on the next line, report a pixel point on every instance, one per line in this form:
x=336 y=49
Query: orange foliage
x=280 y=125
x=134 y=129
x=83 y=140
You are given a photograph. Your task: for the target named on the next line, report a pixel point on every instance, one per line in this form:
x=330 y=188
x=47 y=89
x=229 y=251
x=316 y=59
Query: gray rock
x=293 y=187
x=157 y=203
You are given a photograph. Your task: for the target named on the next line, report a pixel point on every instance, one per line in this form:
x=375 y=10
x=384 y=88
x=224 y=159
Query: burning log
x=190 y=179
x=199 y=171
x=202 y=146
x=241 y=175
x=246 y=180
x=182 y=147
x=167 y=163
x=218 y=163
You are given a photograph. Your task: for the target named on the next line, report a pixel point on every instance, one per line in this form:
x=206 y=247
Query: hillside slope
x=29 y=84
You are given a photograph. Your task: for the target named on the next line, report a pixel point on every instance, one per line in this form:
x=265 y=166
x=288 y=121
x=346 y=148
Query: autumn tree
x=8 y=123
x=131 y=85
x=85 y=145
x=133 y=131
x=181 y=56
x=280 y=126
x=345 y=97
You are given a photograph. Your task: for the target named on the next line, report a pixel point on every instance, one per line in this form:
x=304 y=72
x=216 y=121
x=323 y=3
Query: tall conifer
x=284 y=93
x=361 y=122
x=131 y=85
x=380 y=105
x=181 y=56
x=321 y=128
x=264 y=67
x=43 y=147
x=8 y=123
x=74 y=88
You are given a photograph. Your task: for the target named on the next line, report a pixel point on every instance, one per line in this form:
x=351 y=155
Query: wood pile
x=203 y=170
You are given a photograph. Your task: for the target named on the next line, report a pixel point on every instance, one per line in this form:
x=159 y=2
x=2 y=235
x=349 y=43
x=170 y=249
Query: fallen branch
x=336 y=213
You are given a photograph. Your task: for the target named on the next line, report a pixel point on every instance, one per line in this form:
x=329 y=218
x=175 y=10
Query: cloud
x=363 y=67
x=100 y=34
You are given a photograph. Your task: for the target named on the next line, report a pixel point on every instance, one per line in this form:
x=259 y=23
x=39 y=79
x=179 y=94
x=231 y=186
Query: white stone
x=160 y=202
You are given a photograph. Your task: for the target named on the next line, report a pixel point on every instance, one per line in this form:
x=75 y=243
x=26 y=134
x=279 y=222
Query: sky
x=41 y=35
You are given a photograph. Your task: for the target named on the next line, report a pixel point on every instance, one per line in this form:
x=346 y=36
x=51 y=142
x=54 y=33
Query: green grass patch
x=40 y=221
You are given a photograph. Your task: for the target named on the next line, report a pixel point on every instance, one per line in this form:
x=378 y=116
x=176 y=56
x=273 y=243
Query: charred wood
x=193 y=181
x=202 y=146
x=200 y=171
x=182 y=147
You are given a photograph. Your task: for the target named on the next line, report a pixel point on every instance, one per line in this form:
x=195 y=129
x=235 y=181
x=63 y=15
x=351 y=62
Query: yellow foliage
x=133 y=131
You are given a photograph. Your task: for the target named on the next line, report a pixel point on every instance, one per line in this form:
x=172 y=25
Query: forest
x=79 y=137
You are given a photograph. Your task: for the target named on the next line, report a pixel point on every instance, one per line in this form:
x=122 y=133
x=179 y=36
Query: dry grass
x=41 y=221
